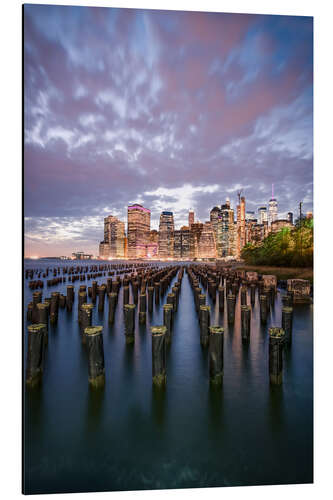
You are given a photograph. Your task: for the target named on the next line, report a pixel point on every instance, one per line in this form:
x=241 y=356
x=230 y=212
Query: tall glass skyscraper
x=138 y=231
x=262 y=215
x=272 y=211
x=113 y=245
x=166 y=235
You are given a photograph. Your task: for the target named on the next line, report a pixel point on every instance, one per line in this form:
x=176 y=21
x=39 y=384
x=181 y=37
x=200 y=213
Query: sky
x=173 y=110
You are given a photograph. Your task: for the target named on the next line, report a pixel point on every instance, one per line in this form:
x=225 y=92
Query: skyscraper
x=190 y=218
x=240 y=226
x=113 y=245
x=250 y=215
x=216 y=222
x=227 y=228
x=207 y=245
x=262 y=215
x=196 y=230
x=272 y=208
x=182 y=243
x=138 y=230
x=166 y=235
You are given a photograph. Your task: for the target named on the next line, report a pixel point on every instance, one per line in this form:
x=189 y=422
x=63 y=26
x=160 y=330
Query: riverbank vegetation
x=286 y=248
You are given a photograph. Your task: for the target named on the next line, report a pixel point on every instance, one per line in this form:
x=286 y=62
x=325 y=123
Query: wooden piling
x=158 y=355
x=276 y=341
x=216 y=337
x=129 y=319
x=35 y=354
x=95 y=351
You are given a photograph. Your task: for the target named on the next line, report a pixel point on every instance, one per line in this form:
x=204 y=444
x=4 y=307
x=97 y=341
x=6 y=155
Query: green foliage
x=288 y=248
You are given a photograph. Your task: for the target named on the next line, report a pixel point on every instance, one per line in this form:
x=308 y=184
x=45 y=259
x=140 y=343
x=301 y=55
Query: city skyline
x=187 y=110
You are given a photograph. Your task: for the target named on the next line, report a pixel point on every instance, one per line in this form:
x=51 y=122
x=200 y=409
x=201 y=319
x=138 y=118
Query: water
x=130 y=436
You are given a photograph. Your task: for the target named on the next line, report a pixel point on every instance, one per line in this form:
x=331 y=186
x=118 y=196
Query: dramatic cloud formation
x=175 y=110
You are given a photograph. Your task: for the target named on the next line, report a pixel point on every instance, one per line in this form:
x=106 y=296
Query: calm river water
x=130 y=436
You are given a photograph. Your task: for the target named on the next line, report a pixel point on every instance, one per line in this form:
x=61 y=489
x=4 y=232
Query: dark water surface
x=130 y=436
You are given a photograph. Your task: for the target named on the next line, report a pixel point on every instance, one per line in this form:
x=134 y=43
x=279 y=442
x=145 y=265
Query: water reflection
x=95 y=403
x=215 y=405
x=158 y=402
x=275 y=410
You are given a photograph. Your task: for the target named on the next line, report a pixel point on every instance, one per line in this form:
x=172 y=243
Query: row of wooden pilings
x=152 y=284
x=81 y=273
x=227 y=285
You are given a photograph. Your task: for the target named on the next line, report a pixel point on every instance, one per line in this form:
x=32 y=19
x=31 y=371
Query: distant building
x=152 y=250
x=309 y=215
x=290 y=217
x=241 y=237
x=183 y=243
x=225 y=244
x=216 y=222
x=166 y=235
x=81 y=256
x=207 y=245
x=153 y=236
x=279 y=224
x=250 y=216
x=138 y=230
x=262 y=215
x=190 y=218
x=258 y=233
x=196 y=230
x=249 y=228
x=113 y=245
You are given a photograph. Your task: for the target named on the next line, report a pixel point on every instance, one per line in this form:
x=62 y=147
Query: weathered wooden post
x=86 y=318
x=142 y=309
x=112 y=307
x=216 y=337
x=175 y=292
x=125 y=295
x=167 y=321
x=231 y=304
x=101 y=297
x=245 y=322
x=35 y=354
x=158 y=355
x=54 y=308
x=150 y=298
x=287 y=323
x=263 y=308
x=93 y=291
x=95 y=350
x=69 y=297
x=43 y=318
x=287 y=301
x=253 y=293
x=276 y=340
x=157 y=292
x=29 y=311
x=197 y=291
x=171 y=299
x=129 y=319
x=135 y=287
x=221 y=298
x=204 y=324
x=82 y=299
x=201 y=301
x=243 y=296
x=36 y=299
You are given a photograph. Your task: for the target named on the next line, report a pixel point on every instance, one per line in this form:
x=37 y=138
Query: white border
x=11 y=78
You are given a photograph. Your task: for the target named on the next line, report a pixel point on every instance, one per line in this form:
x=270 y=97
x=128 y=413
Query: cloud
x=173 y=109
